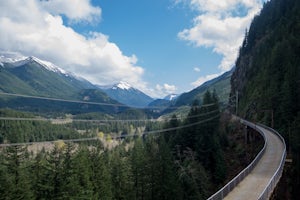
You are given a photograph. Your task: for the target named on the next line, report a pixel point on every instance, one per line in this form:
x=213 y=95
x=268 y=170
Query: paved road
x=254 y=184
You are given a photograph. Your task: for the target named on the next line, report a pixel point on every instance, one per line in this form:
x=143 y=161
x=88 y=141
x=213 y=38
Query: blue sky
x=149 y=30
x=158 y=46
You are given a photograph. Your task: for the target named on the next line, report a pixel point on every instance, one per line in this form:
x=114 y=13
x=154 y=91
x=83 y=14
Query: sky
x=158 y=46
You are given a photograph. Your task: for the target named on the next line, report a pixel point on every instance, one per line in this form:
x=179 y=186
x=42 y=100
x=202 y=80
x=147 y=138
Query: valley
x=64 y=137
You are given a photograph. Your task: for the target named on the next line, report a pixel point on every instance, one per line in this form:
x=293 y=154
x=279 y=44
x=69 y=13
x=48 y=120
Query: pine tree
x=101 y=175
x=20 y=186
x=121 y=174
x=54 y=173
x=39 y=176
x=168 y=186
x=82 y=187
x=139 y=163
x=5 y=181
x=192 y=176
x=170 y=135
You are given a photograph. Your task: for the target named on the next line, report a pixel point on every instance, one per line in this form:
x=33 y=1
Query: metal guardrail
x=237 y=179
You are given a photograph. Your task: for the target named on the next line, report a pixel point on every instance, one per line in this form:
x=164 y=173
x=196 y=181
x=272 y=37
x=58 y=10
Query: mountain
x=267 y=80
x=126 y=94
x=45 y=80
x=35 y=77
x=159 y=105
x=178 y=104
x=221 y=84
x=171 y=97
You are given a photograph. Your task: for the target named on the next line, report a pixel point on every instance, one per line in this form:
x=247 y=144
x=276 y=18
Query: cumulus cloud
x=165 y=89
x=35 y=27
x=75 y=10
x=220 y=25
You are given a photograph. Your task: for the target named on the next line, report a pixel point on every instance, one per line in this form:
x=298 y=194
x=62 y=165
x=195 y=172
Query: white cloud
x=34 y=27
x=165 y=89
x=196 y=69
x=203 y=79
x=75 y=10
x=220 y=25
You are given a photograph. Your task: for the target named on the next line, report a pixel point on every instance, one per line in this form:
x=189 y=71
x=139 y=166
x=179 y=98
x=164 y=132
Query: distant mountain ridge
x=126 y=94
x=221 y=84
x=32 y=76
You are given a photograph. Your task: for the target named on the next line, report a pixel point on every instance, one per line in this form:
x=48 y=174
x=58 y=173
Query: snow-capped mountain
x=10 y=57
x=171 y=97
x=122 y=85
x=16 y=60
x=33 y=76
x=125 y=93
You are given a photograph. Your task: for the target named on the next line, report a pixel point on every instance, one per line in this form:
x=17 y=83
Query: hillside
x=221 y=84
x=34 y=77
x=268 y=72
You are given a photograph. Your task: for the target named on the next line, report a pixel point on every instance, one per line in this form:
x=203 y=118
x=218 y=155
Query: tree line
x=183 y=163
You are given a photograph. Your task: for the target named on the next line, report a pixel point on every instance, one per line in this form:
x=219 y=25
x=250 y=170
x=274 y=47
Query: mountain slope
x=32 y=76
x=221 y=84
x=267 y=76
x=126 y=94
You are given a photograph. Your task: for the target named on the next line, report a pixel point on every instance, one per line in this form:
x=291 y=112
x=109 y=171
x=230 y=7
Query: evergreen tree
x=101 y=176
x=5 y=181
x=122 y=180
x=192 y=176
x=39 y=176
x=173 y=123
x=168 y=183
x=54 y=173
x=139 y=164
x=20 y=186
x=81 y=185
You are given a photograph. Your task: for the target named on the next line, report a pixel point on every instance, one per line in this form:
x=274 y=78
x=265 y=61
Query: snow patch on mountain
x=171 y=97
x=48 y=65
x=122 y=85
x=10 y=57
x=17 y=59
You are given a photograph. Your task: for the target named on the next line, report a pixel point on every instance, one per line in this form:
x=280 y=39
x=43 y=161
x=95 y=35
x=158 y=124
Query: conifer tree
x=138 y=162
x=101 y=175
x=20 y=186
x=121 y=174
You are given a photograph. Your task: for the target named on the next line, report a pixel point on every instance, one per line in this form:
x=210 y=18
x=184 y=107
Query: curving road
x=254 y=184
x=258 y=180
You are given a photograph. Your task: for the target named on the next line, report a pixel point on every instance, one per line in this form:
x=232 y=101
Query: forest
x=267 y=77
x=188 y=161
x=181 y=158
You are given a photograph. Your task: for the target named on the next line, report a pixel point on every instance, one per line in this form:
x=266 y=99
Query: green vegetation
x=267 y=75
x=35 y=80
x=186 y=162
x=220 y=84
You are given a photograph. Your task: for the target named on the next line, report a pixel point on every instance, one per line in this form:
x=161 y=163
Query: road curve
x=254 y=184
